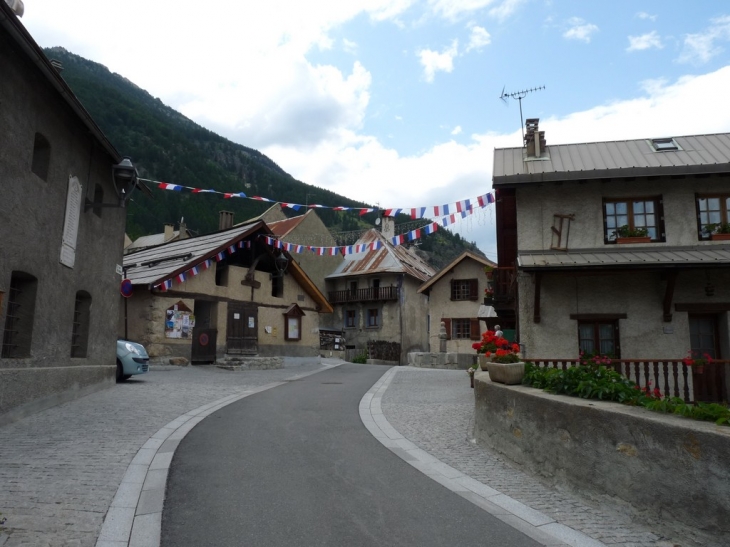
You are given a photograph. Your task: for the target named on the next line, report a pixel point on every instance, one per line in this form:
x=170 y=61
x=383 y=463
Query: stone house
x=62 y=234
x=227 y=293
x=375 y=296
x=455 y=296
x=569 y=279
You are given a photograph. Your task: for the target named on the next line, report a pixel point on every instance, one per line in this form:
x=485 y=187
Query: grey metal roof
x=638 y=257
x=388 y=259
x=156 y=264
x=697 y=154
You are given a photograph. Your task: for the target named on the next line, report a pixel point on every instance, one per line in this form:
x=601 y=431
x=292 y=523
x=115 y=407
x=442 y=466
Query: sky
x=397 y=103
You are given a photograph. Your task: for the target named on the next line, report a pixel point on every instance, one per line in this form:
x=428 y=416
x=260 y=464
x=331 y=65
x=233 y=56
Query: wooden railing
x=371 y=294
x=671 y=376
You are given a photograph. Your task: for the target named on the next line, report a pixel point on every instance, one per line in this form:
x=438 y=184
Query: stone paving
x=434 y=409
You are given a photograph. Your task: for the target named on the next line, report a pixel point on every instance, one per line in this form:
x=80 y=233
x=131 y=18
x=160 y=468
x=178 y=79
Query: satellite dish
x=377 y=221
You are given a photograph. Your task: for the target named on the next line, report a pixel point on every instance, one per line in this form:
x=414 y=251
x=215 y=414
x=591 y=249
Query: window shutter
x=452 y=289
x=474 y=329
x=473 y=289
x=447 y=324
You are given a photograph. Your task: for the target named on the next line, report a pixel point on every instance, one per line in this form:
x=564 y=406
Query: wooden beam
x=709 y=307
x=669 y=294
x=597 y=316
x=538 y=284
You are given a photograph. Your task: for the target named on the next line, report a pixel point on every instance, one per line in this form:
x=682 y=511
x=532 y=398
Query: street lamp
x=281 y=262
x=124 y=177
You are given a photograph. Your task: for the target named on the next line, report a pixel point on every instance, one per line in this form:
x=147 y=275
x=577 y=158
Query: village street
x=319 y=452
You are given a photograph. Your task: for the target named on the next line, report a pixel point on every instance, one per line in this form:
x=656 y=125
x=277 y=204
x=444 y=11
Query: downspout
x=402 y=303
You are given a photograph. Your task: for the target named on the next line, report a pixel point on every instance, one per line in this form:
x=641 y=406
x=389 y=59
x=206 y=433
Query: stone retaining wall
x=665 y=466
x=454 y=361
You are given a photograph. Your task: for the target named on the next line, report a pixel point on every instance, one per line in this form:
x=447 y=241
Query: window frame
x=81 y=325
x=347 y=316
x=630 y=201
x=724 y=213
x=464 y=290
x=596 y=323
x=378 y=320
x=458 y=332
x=19 y=316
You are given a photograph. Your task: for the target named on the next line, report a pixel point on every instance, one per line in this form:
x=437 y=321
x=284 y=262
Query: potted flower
x=500 y=358
x=719 y=231
x=697 y=361
x=488 y=296
x=625 y=234
x=489 y=270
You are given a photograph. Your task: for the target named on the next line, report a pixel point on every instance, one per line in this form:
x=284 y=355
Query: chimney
x=225 y=220
x=534 y=139
x=387 y=227
x=169 y=232
x=183 y=230
x=55 y=63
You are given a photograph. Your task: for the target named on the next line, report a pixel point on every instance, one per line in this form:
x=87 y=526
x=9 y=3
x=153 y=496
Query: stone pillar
x=442 y=337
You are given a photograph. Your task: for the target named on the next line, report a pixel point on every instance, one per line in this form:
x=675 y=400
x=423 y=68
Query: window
x=376 y=289
x=598 y=337
x=636 y=214
x=350 y=319
x=664 y=145
x=465 y=329
x=277 y=285
x=19 y=317
x=221 y=273
x=373 y=318
x=41 y=156
x=712 y=210
x=464 y=289
x=81 y=322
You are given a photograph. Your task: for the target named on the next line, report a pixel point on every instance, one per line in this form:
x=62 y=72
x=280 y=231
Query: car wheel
x=120 y=372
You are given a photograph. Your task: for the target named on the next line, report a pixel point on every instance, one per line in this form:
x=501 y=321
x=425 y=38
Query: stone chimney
x=169 y=232
x=534 y=139
x=225 y=220
x=387 y=227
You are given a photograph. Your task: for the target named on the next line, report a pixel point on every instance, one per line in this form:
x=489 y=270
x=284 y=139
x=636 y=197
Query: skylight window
x=663 y=145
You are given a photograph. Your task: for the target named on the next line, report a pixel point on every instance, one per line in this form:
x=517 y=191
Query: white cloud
x=433 y=61
x=505 y=9
x=478 y=38
x=701 y=47
x=644 y=15
x=645 y=41
x=452 y=9
x=456 y=130
x=580 y=30
x=349 y=46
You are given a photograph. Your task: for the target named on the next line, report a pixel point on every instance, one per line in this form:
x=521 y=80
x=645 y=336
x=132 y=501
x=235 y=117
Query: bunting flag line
x=415 y=212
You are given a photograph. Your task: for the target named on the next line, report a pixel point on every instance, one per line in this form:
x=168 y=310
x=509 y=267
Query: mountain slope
x=166 y=146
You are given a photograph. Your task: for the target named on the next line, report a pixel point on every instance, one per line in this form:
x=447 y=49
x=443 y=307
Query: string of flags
x=414 y=212
x=463 y=209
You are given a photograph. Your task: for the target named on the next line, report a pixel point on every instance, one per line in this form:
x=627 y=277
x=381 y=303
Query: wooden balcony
x=379 y=294
x=504 y=284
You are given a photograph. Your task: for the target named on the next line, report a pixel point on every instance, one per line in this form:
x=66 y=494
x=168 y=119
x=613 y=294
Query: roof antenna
x=519 y=95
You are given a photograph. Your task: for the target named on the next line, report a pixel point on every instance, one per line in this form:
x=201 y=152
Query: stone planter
x=506 y=373
x=720 y=237
x=482 y=361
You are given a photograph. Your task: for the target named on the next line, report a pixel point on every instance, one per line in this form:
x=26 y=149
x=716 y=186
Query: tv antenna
x=519 y=95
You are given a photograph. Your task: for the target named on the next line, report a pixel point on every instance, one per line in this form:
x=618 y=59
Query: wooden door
x=709 y=385
x=204 y=344
x=242 y=332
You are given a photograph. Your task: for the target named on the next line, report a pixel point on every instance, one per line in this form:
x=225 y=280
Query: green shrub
x=597 y=382
x=362 y=358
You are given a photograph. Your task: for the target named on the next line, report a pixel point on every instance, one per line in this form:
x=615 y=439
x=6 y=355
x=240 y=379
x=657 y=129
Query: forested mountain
x=166 y=146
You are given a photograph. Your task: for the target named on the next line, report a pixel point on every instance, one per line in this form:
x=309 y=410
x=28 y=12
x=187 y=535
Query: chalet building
x=226 y=293
x=62 y=228
x=612 y=248
x=376 y=300
x=455 y=296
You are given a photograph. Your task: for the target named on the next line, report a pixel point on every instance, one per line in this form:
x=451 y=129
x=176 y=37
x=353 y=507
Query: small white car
x=132 y=359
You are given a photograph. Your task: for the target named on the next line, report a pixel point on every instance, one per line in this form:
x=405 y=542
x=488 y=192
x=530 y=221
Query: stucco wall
x=665 y=466
x=146 y=312
x=441 y=306
x=32 y=212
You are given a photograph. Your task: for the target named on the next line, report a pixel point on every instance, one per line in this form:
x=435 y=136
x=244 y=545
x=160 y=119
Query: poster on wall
x=179 y=321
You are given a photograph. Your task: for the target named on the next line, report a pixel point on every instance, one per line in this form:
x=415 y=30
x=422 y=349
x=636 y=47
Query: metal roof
x=156 y=264
x=638 y=257
x=388 y=259
x=629 y=158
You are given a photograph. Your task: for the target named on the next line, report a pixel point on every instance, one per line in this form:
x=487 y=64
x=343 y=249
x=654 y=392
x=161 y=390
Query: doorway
x=708 y=385
x=242 y=332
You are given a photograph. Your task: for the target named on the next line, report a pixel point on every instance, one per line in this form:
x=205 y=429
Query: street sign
x=126 y=288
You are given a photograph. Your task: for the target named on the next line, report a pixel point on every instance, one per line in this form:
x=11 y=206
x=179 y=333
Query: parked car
x=132 y=359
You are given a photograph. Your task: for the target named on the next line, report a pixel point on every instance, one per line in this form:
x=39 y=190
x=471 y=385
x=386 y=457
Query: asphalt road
x=295 y=466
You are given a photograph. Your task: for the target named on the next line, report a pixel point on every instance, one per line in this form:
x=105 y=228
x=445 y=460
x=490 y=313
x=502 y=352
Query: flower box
x=506 y=373
x=720 y=237
x=489 y=301
x=628 y=240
